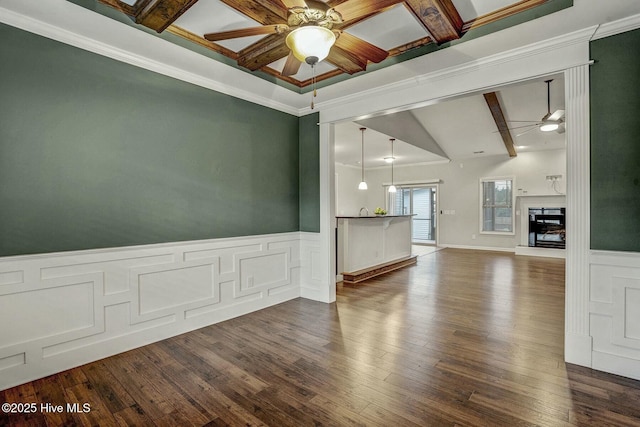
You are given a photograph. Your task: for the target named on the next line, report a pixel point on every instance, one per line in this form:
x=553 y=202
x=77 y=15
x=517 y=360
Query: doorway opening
x=421 y=202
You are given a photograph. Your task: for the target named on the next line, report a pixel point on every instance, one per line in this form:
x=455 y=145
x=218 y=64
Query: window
x=496 y=205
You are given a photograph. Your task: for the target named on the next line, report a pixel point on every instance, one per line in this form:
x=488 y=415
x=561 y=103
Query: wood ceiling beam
x=122 y=7
x=263 y=52
x=356 y=9
x=265 y=12
x=502 y=13
x=440 y=18
x=498 y=116
x=181 y=32
x=158 y=15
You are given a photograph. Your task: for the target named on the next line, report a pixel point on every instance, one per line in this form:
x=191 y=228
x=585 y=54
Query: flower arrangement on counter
x=380 y=211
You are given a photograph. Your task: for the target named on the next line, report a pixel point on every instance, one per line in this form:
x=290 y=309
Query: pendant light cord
x=393 y=160
x=362 y=153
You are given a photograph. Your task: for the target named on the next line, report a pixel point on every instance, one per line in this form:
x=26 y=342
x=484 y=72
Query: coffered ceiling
x=462 y=127
x=371 y=33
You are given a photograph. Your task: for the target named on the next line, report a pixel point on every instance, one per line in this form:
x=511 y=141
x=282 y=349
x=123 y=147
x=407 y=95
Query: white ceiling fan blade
x=561 y=128
x=519 y=127
x=527 y=131
x=557 y=115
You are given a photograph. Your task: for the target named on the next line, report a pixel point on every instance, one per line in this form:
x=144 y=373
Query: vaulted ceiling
x=457 y=129
x=371 y=33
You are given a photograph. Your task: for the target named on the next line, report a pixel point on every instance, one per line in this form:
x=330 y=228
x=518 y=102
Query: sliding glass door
x=420 y=202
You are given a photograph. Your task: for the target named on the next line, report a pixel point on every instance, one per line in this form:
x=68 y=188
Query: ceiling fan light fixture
x=310 y=43
x=549 y=126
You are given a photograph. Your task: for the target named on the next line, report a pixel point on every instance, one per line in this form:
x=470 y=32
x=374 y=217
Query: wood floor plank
x=462 y=338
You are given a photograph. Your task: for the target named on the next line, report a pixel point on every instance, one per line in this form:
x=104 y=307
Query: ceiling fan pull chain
x=313 y=83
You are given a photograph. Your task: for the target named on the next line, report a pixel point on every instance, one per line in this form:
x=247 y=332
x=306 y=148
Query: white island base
x=373 y=245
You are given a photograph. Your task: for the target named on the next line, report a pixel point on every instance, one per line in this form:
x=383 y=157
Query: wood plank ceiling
x=439 y=21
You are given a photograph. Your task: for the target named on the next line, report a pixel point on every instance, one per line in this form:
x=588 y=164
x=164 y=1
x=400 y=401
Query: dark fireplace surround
x=547 y=228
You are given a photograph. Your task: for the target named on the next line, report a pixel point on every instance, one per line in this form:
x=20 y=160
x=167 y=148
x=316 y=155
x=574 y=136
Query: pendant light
x=363 y=184
x=392 y=188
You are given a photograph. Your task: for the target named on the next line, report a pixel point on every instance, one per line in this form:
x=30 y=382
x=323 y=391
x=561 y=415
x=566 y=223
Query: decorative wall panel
x=614 y=317
x=159 y=289
x=67 y=309
x=312 y=268
x=11 y=277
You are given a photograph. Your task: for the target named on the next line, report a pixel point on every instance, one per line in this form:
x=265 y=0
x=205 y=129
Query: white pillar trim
x=327 y=210
x=577 y=337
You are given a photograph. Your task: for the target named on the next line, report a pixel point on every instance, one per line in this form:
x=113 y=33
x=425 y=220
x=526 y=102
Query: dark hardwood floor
x=463 y=338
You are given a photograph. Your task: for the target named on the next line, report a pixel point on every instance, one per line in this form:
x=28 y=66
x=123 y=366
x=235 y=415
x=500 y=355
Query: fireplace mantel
x=541 y=195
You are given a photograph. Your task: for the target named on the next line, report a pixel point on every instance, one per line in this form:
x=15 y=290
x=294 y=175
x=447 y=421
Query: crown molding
x=617 y=27
x=513 y=55
x=73 y=25
x=56 y=28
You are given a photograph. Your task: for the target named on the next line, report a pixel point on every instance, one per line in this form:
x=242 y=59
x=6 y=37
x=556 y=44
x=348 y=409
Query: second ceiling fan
x=548 y=123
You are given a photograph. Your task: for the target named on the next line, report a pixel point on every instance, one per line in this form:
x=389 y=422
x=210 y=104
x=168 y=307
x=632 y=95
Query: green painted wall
x=97 y=153
x=615 y=143
x=309 y=173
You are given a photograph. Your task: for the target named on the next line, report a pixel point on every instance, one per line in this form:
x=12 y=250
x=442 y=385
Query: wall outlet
x=473 y=237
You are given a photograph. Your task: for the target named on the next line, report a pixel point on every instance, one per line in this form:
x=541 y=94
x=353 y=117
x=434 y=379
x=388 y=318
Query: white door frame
x=568 y=54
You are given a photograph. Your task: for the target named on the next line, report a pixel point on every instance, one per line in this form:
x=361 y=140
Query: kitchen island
x=368 y=246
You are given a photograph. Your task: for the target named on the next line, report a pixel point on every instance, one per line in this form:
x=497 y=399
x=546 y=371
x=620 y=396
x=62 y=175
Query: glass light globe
x=310 y=41
x=549 y=126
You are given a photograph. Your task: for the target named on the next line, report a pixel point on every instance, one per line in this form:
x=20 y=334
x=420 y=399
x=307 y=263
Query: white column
x=578 y=343
x=327 y=213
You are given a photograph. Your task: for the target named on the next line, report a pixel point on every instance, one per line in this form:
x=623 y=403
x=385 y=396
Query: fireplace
x=547 y=228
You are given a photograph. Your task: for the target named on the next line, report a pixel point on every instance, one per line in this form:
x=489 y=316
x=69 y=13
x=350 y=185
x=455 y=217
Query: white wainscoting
x=312 y=268
x=615 y=312
x=66 y=309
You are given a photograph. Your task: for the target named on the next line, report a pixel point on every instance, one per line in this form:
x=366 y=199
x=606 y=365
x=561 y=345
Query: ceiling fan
x=550 y=122
x=305 y=31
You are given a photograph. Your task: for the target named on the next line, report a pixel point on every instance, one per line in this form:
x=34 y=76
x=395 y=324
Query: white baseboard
x=577 y=349
x=477 y=248
x=540 y=252
x=616 y=364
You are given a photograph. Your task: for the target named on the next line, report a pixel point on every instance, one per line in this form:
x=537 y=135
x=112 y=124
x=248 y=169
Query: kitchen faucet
x=360 y=213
